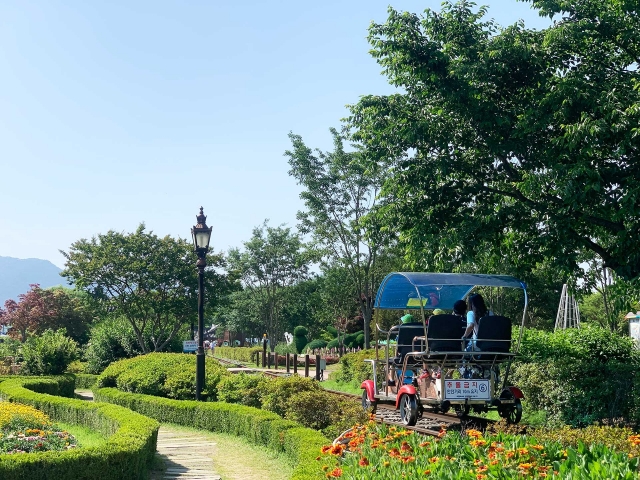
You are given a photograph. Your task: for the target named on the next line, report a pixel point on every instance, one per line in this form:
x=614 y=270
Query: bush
x=49 y=354
x=283 y=349
x=281 y=390
x=169 y=375
x=351 y=340
x=579 y=376
x=300 y=338
x=85 y=380
x=243 y=389
x=314 y=344
x=333 y=343
x=301 y=445
x=109 y=341
x=353 y=369
x=241 y=354
x=76 y=367
x=127 y=452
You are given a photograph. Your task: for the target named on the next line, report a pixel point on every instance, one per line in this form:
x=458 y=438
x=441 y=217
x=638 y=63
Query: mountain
x=16 y=274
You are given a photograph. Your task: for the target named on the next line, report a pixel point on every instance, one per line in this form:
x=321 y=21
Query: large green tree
x=521 y=142
x=274 y=259
x=339 y=190
x=150 y=281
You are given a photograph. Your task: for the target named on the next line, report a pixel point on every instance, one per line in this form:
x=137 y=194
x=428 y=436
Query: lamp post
x=201 y=236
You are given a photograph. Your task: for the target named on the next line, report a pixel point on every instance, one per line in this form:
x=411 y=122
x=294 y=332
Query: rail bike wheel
x=367 y=404
x=513 y=413
x=408 y=409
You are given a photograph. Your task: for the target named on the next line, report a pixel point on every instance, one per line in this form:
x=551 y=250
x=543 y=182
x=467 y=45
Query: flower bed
x=126 y=454
x=24 y=429
x=379 y=452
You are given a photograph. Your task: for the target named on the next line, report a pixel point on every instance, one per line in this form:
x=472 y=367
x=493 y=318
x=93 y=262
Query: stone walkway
x=186 y=455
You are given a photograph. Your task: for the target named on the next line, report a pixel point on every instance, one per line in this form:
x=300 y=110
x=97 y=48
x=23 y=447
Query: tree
x=518 y=141
x=150 y=281
x=338 y=192
x=54 y=308
x=272 y=260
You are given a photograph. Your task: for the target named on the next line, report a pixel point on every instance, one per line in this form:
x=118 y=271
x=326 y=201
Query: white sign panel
x=466 y=388
x=634 y=329
x=189 y=346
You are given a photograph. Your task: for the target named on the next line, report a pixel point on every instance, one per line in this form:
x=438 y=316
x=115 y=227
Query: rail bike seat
x=407 y=332
x=494 y=339
x=444 y=337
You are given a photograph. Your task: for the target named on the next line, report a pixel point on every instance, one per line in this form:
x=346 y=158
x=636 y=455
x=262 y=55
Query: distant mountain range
x=16 y=274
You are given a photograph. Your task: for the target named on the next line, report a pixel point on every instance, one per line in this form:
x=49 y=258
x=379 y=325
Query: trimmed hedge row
x=241 y=354
x=130 y=446
x=302 y=445
x=85 y=380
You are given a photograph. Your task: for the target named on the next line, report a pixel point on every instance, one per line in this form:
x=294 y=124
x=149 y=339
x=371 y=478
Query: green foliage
x=281 y=390
x=164 y=374
x=130 y=446
x=242 y=354
x=264 y=428
x=580 y=376
x=85 y=380
x=283 y=348
x=243 y=389
x=353 y=369
x=333 y=343
x=300 y=338
x=76 y=367
x=151 y=281
x=503 y=136
x=110 y=340
x=615 y=438
x=49 y=354
x=314 y=344
x=351 y=339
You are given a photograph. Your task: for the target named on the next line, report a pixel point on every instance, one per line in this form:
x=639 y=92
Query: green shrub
x=163 y=374
x=314 y=344
x=241 y=354
x=579 y=377
x=243 y=389
x=76 y=367
x=301 y=445
x=281 y=390
x=353 y=369
x=283 y=349
x=300 y=338
x=127 y=452
x=49 y=353
x=333 y=343
x=359 y=342
x=110 y=340
x=351 y=340
x=85 y=380
x=615 y=438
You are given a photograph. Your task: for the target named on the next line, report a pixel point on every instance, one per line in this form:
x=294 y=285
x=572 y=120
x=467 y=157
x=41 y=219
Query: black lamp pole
x=201 y=236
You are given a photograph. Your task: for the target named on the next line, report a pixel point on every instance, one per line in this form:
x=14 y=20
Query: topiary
x=300 y=338
x=312 y=345
x=333 y=343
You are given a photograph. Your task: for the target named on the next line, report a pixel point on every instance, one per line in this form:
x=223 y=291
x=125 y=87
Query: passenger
x=408 y=318
x=477 y=310
x=460 y=308
x=439 y=311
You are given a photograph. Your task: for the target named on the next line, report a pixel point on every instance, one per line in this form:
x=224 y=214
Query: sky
x=122 y=112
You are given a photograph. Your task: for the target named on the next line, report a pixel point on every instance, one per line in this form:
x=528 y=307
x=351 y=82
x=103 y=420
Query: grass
x=341 y=387
x=236 y=459
x=86 y=437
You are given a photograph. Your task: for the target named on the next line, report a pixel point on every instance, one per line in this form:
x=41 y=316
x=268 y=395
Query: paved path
x=186 y=455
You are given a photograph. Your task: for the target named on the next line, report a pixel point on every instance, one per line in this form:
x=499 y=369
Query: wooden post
x=257 y=358
x=264 y=351
x=275 y=359
x=318 y=367
x=295 y=363
x=306 y=366
x=287 y=364
x=268 y=359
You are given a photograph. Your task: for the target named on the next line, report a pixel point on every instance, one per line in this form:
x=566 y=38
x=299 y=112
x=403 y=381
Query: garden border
x=127 y=453
x=302 y=445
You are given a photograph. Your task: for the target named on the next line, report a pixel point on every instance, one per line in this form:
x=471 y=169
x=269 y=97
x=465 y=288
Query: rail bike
x=431 y=366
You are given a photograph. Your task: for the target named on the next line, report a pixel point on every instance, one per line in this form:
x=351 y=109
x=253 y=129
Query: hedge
x=302 y=445
x=85 y=380
x=129 y=448
x=241 y=354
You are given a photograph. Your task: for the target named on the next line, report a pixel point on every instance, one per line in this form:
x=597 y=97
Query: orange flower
x=434 y=459
x=325 y=449
x=494 y=462
x=364 y=461
x=408 y=459
x=394 y=452
x=325 y=468
x=523 y=451
x=477 y=443
x=335 y=473
x=480 y=476
x=425 y=444
x=474 y=433
x=537 y=447
x=386 y=464
x=482 y=469
x=405 y=447
x=525 y=466
x=427 y=472
x=499 y=449
x=442 y=433
x=477 y=461
x=509 y=454
x=336 y=449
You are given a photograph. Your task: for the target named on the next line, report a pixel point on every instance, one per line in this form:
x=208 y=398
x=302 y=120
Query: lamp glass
x=202 y=238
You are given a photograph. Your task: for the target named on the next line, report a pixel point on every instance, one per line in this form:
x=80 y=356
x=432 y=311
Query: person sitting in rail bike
x=477 y=310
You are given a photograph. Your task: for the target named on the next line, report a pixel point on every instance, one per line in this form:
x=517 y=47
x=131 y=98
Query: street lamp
x=201 y=235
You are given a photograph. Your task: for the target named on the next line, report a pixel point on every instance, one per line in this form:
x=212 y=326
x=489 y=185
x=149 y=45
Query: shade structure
x=416 y=290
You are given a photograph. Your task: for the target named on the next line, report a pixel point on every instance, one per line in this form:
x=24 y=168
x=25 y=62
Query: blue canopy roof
x=411 y=290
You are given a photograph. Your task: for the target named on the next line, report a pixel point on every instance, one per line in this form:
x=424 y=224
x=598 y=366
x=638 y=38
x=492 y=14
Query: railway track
x=430 y=423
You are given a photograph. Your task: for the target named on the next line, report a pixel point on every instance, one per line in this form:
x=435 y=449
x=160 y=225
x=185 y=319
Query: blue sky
x=121 y=112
